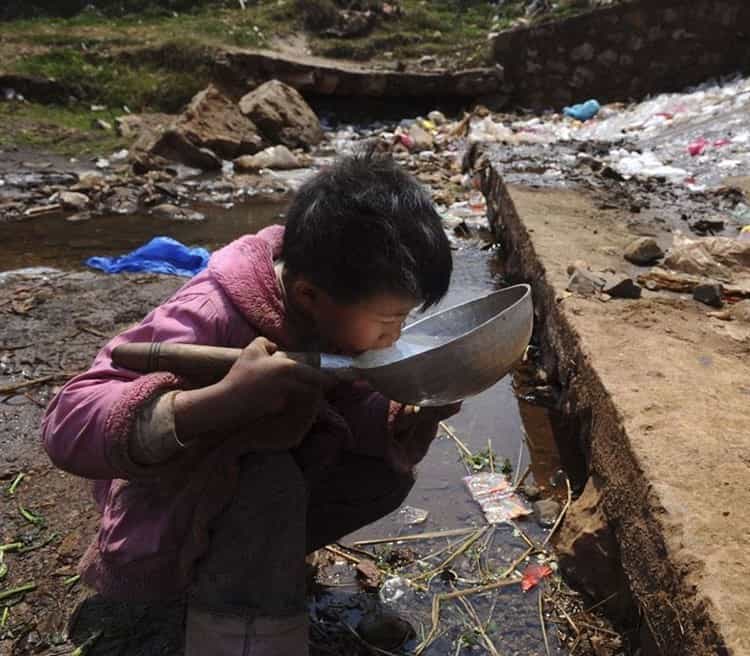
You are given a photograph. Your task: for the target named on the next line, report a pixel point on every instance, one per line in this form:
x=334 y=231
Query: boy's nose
x=389 y=337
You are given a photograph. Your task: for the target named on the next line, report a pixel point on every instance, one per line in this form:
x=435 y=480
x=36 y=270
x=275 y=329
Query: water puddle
x=53 y=241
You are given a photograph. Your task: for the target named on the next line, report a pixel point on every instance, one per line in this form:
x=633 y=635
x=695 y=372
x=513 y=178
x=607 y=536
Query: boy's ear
x=306 y=294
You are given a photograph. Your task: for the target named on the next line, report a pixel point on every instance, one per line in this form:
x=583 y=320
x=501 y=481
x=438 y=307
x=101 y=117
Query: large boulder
x=212 y=128
x=282 y=115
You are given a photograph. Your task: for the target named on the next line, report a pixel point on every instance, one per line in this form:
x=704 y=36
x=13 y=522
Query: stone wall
x=625 y=52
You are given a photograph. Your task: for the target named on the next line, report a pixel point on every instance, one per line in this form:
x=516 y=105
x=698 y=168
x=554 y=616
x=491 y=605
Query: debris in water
x=533 y=574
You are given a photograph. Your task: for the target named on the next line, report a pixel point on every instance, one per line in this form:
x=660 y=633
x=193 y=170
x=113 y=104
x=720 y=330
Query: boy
x=218 y=491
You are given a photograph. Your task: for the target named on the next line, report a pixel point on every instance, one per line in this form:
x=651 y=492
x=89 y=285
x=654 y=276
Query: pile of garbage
x=695 y=138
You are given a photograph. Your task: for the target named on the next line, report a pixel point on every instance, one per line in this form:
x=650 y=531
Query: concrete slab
x=662 y=394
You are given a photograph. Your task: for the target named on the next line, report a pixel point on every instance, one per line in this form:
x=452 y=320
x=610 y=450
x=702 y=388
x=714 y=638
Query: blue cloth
x=584 y=111
x=160 y=255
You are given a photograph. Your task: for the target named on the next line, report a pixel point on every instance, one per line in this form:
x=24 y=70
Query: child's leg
x=248 y=596
x=358 y=491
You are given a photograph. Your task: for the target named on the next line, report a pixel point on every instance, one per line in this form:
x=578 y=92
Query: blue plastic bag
x=584 y=111
x=160 y=255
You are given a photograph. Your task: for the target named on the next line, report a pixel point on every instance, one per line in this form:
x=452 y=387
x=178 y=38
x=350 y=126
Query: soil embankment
x=659 y=391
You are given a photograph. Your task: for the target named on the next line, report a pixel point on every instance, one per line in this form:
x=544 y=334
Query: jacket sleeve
x=369 y=415
x=86 y=428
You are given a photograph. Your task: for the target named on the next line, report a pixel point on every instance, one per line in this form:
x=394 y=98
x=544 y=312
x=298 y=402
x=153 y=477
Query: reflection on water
x=50 y=240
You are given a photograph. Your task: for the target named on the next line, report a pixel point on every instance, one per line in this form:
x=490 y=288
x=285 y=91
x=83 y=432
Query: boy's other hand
x=414 y=429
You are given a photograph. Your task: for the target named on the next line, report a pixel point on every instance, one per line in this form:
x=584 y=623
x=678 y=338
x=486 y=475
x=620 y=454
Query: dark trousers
x=256 y=562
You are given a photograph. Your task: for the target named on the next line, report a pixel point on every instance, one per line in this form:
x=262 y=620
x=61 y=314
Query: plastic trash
x=160 y=255
x=697 y=147
x=495 y=496
x=744 y=234
x=533 y=574
x=584 y=111
x=411 y=515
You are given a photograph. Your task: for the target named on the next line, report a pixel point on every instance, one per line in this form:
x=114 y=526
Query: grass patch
x=440 y=27
x=63 y=130
x=117 y=82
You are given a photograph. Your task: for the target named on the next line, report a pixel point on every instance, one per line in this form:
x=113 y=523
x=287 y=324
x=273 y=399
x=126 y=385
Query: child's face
x=354 y=328
x=372 y=324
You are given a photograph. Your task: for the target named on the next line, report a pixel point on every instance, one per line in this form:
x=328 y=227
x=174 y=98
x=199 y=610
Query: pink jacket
x=155 y=519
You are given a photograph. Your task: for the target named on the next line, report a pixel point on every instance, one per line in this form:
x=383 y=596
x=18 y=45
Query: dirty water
x=52 y=241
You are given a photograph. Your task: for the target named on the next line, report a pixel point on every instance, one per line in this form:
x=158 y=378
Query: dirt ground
x=661 y=393
x=52 y=328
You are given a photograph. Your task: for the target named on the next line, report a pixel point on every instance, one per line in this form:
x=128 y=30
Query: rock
x=420 y=138
x=368 y=575
x=707 y=225
x=643 y=251
x=72 y=200
x=213 y=121
x=585 y=283
x=211 y=128
x=90 y=180
x=123 y=200
x=710 y=294
x=546 y=512
x=622 y=287
x=131 y=126
x=589 y=555
x=438 y=118
x=531 y=492
x=384 y=631
x=351 y=24
x=584 y=52
x=175 y=213
x=578 y=264
x=275 y=157
x=101 y=124
x=427 y=60
x=282 y=115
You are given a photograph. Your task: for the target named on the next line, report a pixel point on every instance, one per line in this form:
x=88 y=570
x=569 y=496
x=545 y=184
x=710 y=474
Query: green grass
x=439 y=27
x=62 y=130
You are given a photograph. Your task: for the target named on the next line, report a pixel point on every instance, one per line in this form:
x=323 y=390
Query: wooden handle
x=189 y=360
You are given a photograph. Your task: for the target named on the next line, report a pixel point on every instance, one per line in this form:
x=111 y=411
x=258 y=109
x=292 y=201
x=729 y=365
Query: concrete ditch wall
x=629 y=51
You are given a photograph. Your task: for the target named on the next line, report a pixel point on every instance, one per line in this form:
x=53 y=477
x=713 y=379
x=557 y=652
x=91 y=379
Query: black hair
x=363 y=226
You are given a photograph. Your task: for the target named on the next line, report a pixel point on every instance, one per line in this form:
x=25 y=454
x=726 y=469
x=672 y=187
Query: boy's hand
x=414 y=428
x=260 y=385
x=263 y=383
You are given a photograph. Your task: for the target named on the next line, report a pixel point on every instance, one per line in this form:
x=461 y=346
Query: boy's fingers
x=264 y=346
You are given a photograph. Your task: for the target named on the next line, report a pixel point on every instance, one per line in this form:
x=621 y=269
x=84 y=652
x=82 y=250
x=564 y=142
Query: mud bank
x=658 y=392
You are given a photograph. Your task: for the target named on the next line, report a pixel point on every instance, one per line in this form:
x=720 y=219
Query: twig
x=518 y=462
x=4 y=618
x=92 y=331
x=35 y=400
x=7 y=389
x=480 y=589
x=354 y=550
x=11 y=546
x=84 y=647
x=544 y=625
x=434 y=629
x=14 y=387
x=593 y=627
x=520 y=481
x=517 y=562
x=477 y=622
x=586 y=611
x=449 y=432
x=416 y=536
x=561 y=515
x=564 y=613
x=489 y=455
x=5 y=594
x=464 y=546
x=341 y=553
x=34 y=547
